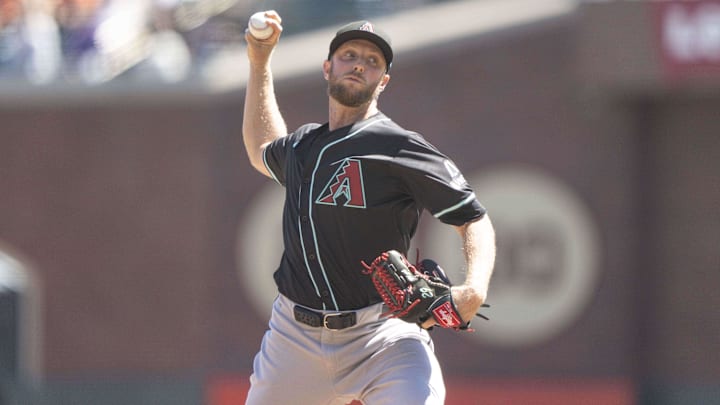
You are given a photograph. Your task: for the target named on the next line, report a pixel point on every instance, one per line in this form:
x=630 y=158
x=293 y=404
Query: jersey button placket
x=309 y=241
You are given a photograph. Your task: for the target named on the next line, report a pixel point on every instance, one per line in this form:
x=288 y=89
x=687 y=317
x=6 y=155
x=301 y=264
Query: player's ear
x=384 y=81
x=326 y=69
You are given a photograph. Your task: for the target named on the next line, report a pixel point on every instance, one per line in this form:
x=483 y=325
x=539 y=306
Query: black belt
x=332 y=321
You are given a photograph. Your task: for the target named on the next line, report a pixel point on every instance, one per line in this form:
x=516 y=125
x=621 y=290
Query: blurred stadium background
x=136 y=243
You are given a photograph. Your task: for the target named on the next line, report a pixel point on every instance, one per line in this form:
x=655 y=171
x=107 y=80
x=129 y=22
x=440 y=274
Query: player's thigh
x=288 y=368
x=405 y=373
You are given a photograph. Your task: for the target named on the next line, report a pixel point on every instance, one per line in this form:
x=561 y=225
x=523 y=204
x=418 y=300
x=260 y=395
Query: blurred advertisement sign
x=688 y=33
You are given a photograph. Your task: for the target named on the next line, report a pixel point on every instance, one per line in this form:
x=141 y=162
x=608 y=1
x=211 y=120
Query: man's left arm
x=478 y=240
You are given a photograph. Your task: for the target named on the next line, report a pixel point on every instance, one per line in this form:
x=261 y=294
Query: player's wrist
x=260 y=64
x=468 y=300
x=474 y=292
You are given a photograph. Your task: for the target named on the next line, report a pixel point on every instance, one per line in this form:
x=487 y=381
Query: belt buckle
x=325 y=320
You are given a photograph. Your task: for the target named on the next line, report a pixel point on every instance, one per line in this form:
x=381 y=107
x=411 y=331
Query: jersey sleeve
x=437 y=184
x=275 y=154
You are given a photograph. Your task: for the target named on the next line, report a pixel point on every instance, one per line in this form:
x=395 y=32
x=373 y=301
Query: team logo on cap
x=367 y=27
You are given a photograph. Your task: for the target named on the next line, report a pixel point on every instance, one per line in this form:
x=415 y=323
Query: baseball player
x=355 y=187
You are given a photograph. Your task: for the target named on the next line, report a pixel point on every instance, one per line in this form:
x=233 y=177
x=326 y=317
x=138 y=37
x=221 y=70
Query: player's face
x=356 y=74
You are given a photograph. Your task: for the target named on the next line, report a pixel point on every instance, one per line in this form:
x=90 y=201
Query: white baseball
x=258 y=26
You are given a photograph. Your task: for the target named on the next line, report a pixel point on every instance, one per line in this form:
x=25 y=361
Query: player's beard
x=349 y=97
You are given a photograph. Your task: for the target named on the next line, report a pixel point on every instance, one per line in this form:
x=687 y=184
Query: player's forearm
x=479 y=248
x=262 y=121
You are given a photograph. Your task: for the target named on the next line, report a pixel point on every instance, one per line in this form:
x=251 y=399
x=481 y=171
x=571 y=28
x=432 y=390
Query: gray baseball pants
x=378 y=361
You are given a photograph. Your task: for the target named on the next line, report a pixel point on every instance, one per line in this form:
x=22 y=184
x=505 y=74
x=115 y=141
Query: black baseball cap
x=363 y=30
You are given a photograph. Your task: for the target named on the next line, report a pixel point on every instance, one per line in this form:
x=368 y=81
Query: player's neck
x=342 y=116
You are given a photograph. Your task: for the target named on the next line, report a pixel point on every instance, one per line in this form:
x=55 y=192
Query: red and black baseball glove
x=414 y=294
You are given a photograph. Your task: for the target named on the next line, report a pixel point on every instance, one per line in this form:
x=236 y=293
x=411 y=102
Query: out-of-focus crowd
x=96 y=41
x=150 y=41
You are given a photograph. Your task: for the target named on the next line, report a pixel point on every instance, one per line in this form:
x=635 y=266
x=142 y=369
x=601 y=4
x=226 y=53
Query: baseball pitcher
x=352 y=316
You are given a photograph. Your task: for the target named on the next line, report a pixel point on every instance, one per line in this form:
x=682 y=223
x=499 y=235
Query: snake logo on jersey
x=345 y=186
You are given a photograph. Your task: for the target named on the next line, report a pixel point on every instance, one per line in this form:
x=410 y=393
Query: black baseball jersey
x=351 y=194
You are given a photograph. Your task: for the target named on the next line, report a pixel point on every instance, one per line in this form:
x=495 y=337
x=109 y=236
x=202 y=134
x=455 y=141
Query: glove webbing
x=387 y=286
